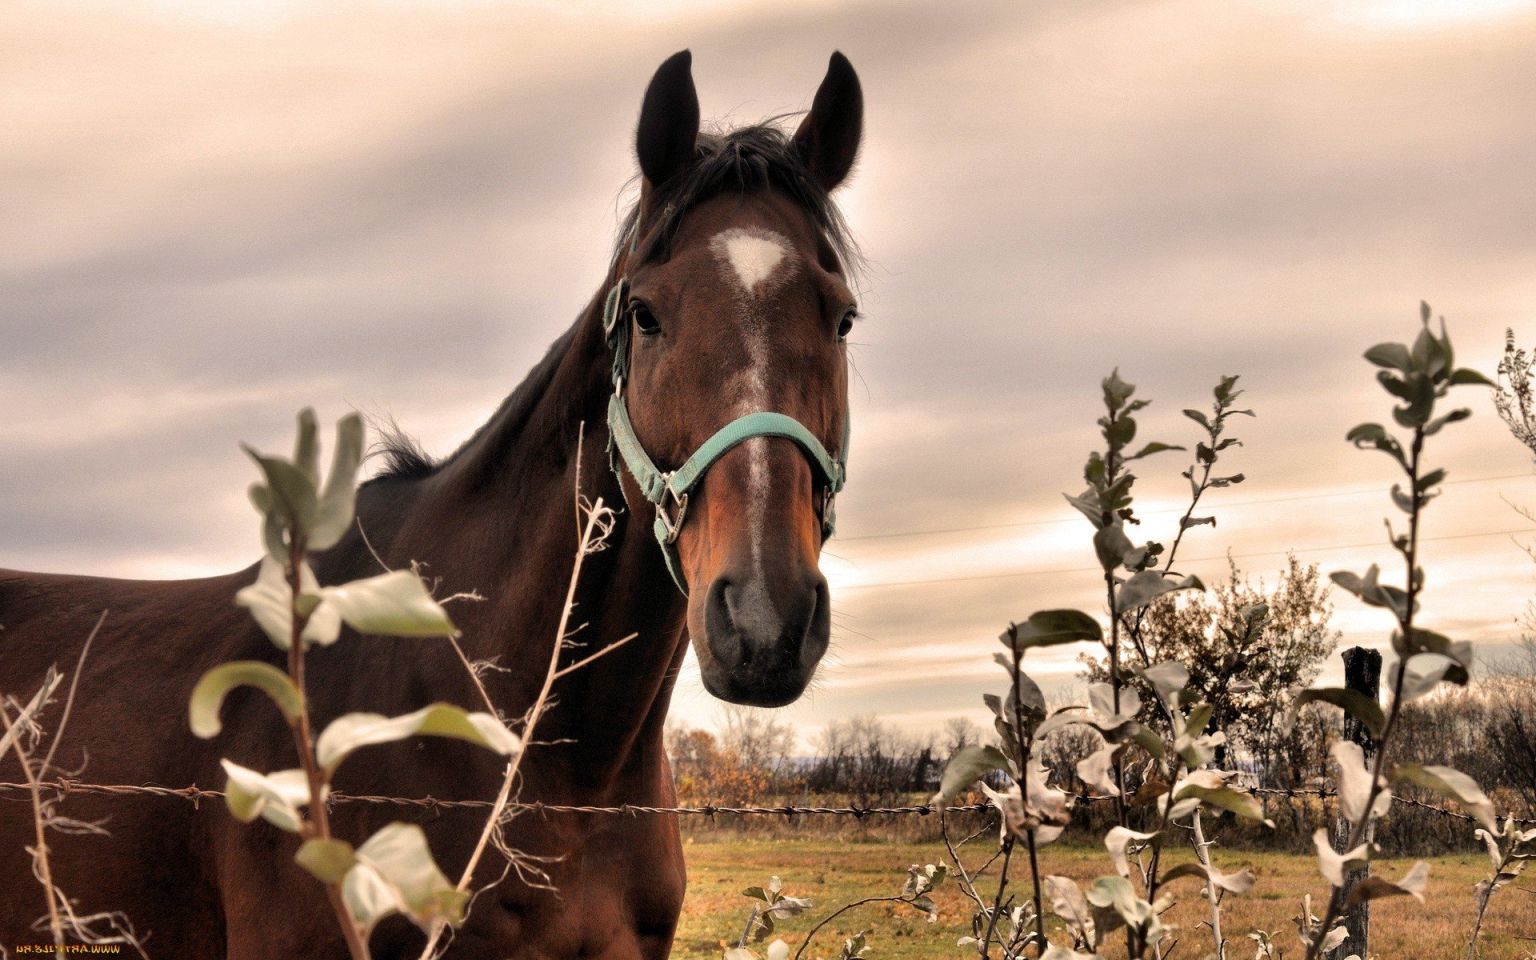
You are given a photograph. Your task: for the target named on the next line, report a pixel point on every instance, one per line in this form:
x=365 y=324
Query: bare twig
x=60 y=913
x=597 y=525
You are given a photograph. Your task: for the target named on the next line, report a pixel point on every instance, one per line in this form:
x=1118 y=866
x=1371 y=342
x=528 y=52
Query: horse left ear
x=828 y=138
x=669 y=120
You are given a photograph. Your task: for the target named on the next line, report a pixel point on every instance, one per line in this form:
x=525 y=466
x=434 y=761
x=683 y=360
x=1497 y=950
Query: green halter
x=670 y=489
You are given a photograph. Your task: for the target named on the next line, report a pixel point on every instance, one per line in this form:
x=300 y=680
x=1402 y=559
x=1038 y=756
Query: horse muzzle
x=763 y=639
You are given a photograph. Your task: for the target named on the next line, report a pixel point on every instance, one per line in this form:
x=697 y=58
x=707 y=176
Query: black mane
x=757 y=157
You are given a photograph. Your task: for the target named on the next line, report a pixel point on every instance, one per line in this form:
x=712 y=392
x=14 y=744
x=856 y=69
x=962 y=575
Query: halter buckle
x=673 y=524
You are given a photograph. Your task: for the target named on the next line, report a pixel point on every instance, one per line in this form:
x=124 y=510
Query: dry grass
x=834 y=873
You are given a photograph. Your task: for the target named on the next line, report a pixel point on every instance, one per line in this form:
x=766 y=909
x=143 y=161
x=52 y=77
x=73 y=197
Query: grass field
x=834 y=873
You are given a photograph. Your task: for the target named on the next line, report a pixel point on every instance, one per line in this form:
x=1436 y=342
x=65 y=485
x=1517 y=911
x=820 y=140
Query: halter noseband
x=669 y=490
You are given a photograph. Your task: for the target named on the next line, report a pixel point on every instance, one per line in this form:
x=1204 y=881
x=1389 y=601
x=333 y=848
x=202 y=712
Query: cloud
x=214 y=221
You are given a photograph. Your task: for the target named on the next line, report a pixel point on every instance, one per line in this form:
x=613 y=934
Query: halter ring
x=674 y=523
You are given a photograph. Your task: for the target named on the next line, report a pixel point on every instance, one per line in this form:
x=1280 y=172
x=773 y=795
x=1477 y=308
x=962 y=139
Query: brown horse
x=734 y=301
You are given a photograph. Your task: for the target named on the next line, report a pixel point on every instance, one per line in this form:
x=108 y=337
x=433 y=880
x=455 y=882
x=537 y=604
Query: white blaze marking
x=753 y=258
x=753 y=255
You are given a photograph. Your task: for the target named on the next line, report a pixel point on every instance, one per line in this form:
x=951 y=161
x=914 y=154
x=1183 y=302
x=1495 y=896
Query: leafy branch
x=1418 y=376
x=392 y=871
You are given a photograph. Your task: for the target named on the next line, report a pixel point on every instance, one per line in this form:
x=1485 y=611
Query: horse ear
x=828 y=138
x=669 y=120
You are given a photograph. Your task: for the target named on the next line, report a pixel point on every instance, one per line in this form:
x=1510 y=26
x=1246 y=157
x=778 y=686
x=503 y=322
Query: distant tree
x=959 y=733
x=1516 y=396
x=759 y=741
x=704 y=771
x=1245 y=646
x=871 y=762
x=1516 y=699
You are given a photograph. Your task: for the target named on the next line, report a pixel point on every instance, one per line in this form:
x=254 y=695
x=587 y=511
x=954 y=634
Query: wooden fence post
x=1362 y=672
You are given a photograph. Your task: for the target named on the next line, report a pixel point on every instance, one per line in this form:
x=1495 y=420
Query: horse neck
x=500 y=518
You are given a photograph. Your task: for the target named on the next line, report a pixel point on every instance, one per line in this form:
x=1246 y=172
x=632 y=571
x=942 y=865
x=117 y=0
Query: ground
x=834 y=873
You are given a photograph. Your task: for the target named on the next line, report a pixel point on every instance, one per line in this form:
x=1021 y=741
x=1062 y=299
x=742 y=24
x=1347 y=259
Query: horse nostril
x=724 y=639
x=817 y=628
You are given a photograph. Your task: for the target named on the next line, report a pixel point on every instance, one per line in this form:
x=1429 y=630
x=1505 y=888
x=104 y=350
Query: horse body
x=497 y=518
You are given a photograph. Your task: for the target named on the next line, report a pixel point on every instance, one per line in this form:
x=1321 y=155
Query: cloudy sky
x=213 y=213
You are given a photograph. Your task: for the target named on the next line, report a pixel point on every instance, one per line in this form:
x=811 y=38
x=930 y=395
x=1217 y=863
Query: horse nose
x=768 y=634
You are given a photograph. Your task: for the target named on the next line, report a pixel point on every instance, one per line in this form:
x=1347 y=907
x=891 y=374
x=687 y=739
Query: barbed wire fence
x=64 y=787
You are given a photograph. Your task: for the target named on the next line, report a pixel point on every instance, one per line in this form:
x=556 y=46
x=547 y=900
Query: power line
x=1011 y=574
x=1153 y=513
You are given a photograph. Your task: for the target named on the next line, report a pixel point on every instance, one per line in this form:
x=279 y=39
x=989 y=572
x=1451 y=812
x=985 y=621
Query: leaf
x=1152 y=448
x=355 y=730
x=1168 y=678
x=1368 y=589
x=1355 y=783
x=208 y=696
x=1118 y=840
x=1394 y=355
x=1212 y=788
x=336 y=506
x=1064 y=717
x=1468 y=377
x=1116 y=391
x=1097 y=769
x=1101 y=698
x=270 y=601
x=756 y=893
x=1149 y=741
x=1088 y=505
x=968 y=765
x=327 y=860
x=1188 y=522
x=1451 y=784
x=1434 y=426
x=1430 y=479
x=1240 y=882
x=396 y=871
x=1413 y=884
x=1198 y=417
x=1048 y=628
x=1425 y=671
x=394 y=604
x=1375 y=436
x=1111 y=545
x=291 y=493
x=786 y=907
x=1332 y=865
x=1358 y=705
x=305 y=448
x=1147 y=586
x=1117 y=894
x=274 y=797
x=1068 y=903
x=367 y=896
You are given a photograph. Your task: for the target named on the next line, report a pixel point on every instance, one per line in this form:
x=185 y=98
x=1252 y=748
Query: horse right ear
x=669 y=120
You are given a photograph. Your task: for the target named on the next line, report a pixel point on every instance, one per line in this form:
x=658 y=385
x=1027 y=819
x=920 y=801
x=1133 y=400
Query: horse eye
x=645 y=320
x=845 y=325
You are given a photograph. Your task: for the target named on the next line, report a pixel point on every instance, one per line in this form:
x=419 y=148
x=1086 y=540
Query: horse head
x=728 y=320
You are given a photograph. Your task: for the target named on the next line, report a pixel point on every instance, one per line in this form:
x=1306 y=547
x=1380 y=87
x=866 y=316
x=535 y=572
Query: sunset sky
x=214 y=213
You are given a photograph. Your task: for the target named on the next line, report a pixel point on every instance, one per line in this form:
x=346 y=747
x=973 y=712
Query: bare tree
x=759 y=741
x=959 y=733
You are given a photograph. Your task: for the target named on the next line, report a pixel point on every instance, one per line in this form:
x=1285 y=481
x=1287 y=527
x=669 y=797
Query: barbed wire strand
x=65 y=787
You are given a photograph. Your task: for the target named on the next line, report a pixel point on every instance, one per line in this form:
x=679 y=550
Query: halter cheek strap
x=669 y=490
